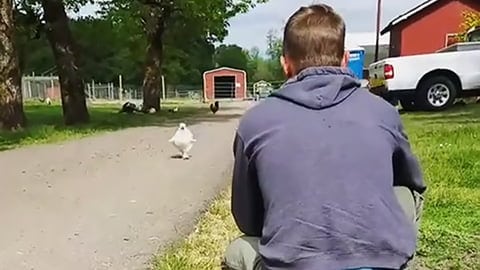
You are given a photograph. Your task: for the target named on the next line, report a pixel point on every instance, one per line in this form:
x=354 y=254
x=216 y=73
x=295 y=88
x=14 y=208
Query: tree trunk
x=152 y=81
x=64 y=51
x=153 y=77
x=11 y=103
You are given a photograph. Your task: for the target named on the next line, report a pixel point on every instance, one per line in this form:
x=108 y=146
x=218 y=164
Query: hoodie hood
x=319 y=87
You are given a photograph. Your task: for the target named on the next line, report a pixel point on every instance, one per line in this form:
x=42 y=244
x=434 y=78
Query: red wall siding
x=426 y=31
x=208 y=84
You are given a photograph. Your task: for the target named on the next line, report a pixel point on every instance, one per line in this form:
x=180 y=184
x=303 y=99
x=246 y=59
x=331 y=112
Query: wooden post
x=29 y=87
x=45 y=93
x=112 y=96
x=377 y=37
x=163 y=87
x=52 y=87
x=24 y=94
x=93 y=90
x=120 y=87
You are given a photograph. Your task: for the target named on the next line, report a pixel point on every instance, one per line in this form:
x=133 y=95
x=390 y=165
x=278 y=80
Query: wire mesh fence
x=191 y=92
x=131 y=92
x=99 y=91
x=41 y=87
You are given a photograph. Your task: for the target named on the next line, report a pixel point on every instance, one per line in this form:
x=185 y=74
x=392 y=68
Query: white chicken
x=183 y=140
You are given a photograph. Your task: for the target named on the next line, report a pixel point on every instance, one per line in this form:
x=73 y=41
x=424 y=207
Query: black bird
x=46 y=100
x=129 y=108
x=214 y=107
x=173 y=110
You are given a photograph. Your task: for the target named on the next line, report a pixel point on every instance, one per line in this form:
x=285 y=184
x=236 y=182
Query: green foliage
x=274 y=45
x=258 y=67
x=274 y=52
x=470 y=19
x=115 y=43
x=231 y=56
x=120 y=51
x=186 y=28
x=109 y=54
x=207 y=19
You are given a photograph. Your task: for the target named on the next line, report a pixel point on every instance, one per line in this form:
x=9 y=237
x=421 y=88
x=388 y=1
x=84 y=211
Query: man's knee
x=411 y=203
x=242 y=254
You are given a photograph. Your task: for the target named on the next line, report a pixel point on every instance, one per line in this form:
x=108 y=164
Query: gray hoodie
x=315 y=166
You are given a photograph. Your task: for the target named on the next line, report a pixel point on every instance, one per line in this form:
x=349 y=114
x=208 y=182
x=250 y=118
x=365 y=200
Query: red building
x=427 y=27
x=224 y=83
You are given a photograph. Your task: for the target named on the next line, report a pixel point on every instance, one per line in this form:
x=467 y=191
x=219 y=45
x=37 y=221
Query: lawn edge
x=167 y=252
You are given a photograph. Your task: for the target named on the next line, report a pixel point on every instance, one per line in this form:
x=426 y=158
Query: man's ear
x=346 y=58
x=286 y=66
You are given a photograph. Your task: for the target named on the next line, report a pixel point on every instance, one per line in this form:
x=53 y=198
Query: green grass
x=45 y=123
x=448 y=145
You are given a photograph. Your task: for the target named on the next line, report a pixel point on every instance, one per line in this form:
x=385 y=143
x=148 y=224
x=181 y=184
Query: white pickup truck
x=428 y=81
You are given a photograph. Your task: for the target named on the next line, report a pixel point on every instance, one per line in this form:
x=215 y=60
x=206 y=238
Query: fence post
x=93 y=89
x=163 y=87
x=120 y=87
x=45 y=89
x=52 y=87
x=112 y=97
x=25 y=92
x=29 y=87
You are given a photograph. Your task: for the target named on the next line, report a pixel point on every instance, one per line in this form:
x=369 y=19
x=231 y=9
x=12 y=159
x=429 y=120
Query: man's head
x=313 y=36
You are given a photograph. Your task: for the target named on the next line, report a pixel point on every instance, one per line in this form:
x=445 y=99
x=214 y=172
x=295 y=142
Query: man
x=316 y=165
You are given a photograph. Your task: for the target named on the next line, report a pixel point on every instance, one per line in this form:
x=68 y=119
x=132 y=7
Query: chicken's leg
x=185 y=154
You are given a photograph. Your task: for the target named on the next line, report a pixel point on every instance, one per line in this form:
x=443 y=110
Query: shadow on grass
x=45 y=123
x=466 y=114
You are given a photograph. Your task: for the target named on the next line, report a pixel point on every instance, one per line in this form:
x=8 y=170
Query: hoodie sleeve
x=406 y=168
x=247 y=202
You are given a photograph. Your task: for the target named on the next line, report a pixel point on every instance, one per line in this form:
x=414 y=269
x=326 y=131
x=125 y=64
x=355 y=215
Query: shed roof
x=405 y=16
x=224 y=68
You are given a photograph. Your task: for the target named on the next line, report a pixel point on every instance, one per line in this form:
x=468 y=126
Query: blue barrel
x=356 y=61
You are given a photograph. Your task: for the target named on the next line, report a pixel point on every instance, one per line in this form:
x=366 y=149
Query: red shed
x=224 y=83
x=427 y=27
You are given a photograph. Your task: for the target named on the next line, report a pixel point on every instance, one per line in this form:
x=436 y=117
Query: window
x=451 y=38
x=474 y=34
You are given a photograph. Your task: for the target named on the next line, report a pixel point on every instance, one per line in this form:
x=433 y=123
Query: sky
x=250 y=29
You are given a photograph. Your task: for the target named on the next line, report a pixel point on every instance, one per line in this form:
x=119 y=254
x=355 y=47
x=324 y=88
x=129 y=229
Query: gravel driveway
x=109 y=201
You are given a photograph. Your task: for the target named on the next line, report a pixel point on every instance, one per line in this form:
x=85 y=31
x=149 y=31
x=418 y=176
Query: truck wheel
x=408 y=104
x=436 y=93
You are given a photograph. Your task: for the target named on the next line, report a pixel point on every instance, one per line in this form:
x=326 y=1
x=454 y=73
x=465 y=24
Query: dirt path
x=107 y=202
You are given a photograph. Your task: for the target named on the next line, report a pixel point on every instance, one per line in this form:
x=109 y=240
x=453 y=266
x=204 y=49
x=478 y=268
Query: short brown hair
x=314 y=36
